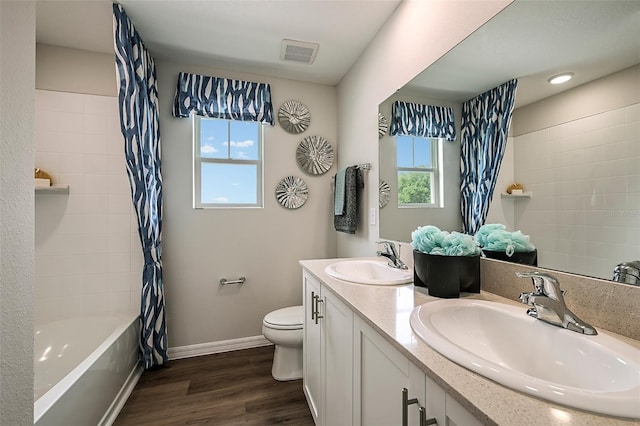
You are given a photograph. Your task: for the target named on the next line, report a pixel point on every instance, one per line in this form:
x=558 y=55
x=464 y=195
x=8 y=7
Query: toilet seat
x=290 y=318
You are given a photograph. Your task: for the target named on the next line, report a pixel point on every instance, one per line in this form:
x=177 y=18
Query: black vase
x=446 y=276
x=522 y=257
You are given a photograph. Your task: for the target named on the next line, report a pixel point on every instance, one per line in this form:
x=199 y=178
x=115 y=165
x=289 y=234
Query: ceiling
x=532 y=41
x=244 y=35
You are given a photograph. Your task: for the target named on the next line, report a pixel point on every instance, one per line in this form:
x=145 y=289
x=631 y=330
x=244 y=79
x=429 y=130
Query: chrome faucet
x=391 y=254
x=547 y=303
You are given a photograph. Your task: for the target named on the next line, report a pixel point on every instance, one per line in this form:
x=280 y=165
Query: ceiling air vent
x=299 y=51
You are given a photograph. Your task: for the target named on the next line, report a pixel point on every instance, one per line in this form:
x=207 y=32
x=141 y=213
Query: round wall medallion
x=315 y=155
x=384 y=193
x=294 y=117
x=383 y=125
x=292 y=192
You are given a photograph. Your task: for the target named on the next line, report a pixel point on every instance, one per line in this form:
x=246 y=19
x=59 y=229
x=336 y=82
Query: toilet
x=283 y=327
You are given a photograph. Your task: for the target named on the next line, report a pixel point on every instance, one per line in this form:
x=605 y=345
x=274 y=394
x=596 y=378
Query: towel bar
x=224 y=281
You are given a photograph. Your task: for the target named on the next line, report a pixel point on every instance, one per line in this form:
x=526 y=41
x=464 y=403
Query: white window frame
x=198 y=160
x=436 y=171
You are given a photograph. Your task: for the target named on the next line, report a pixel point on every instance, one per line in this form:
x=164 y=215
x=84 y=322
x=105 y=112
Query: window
x=419 y=175
x=227 y=163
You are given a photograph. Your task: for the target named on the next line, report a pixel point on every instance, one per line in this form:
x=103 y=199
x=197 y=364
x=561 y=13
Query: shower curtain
x=485 y=125
x=138 y=104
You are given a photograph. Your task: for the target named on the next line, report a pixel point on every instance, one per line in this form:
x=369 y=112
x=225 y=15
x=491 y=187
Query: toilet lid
x=285 y=318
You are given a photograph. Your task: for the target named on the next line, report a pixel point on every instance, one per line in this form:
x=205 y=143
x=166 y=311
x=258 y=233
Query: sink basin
x=501 y=342
x=369 y=272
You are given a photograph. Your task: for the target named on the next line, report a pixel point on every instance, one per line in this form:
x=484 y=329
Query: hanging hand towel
x=339 y=192
x=353 y=183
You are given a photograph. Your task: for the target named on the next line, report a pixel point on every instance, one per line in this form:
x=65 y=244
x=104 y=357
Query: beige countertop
x=387 y=309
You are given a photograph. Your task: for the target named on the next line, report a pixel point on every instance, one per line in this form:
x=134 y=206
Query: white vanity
x=360 y=353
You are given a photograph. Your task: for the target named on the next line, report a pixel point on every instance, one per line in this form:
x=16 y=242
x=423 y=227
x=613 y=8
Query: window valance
x=426 y=121
x=223 y=98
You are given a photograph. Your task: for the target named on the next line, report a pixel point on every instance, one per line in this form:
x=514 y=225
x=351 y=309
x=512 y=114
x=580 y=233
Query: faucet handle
x=389 y=247
x=544 y=284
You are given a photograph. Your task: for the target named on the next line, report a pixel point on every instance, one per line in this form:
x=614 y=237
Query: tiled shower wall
x=585 y=179
x=88 y=256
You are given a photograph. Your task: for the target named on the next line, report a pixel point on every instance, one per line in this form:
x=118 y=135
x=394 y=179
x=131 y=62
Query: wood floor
x=232 y=388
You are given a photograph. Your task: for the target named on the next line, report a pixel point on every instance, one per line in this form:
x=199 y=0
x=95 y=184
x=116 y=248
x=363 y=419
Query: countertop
x=387 y=310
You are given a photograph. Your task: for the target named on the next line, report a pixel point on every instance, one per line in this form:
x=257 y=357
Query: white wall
x=17 y=76
x=502 y=210
x=579 y=153
x=585 y=179
x=416 y=35
x=88 y=255
x=202 y=246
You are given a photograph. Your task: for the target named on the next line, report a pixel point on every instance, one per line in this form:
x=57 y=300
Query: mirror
x=575 y=147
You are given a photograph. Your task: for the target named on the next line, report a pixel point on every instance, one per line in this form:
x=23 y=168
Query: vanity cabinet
x=328 y=355
x=381 y=374
x=352 y=375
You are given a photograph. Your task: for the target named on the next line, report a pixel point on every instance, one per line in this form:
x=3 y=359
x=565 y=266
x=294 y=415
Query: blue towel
x=339 y=193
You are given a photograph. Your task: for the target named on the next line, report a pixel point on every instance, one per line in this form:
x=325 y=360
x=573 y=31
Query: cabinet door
x=457 y=415
x=311 y=350
x=337 y=329
x=381 y=374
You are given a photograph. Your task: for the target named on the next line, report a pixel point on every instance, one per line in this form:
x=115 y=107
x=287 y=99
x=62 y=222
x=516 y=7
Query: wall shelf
x=526 y=194
x=54 y=189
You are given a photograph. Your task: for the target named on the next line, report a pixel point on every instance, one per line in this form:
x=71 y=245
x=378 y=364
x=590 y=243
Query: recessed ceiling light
x=561 y=78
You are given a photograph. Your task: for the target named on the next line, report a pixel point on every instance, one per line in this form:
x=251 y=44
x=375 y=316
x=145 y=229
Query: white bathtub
x=85 y=368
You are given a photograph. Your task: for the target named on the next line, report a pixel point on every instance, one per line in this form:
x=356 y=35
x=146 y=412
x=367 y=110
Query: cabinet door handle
x=423 y=418
x=313 y=306
x=318 y=301
x=406 y=402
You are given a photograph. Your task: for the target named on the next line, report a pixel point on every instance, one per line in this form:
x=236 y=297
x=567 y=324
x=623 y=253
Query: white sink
x=501 y=342
x=369 y=272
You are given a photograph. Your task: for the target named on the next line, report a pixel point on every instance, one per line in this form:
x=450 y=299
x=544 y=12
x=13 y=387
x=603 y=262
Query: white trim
x=118 y=403
x=218 y=347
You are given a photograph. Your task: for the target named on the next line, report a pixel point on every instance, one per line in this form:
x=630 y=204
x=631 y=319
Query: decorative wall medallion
x=315 y=155
x=292 y=192
x=294 y=117
x=384 y=193
x=383 y=125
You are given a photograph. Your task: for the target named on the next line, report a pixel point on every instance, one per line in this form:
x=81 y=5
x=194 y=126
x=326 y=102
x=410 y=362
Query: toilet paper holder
x=224 y=281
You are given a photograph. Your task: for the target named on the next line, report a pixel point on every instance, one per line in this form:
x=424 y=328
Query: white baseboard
x=189 y=351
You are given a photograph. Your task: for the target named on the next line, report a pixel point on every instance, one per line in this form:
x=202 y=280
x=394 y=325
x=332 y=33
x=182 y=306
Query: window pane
x=213 y=138
x=414 y=187
x=228 y=184
x=405 y=151
x=422 y=152
x=244 y=140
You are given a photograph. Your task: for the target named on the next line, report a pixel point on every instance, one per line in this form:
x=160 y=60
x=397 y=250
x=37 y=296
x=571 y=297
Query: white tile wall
x=88 y=256
x=585 y=177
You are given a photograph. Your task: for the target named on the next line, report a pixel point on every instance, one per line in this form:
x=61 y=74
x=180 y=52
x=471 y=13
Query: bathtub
x=85 y=368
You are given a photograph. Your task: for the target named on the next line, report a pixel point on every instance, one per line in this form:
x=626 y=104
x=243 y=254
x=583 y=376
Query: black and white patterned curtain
x=485 y=125
x=426 y=121
x=223 y=98
x=138 y=104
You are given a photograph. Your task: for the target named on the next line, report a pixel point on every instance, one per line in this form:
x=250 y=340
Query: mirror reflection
x=574 y=147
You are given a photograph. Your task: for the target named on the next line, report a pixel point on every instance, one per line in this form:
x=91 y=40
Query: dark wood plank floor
x=232 y=388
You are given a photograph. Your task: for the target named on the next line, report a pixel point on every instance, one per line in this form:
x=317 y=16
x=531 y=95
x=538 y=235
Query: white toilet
x=283 y=327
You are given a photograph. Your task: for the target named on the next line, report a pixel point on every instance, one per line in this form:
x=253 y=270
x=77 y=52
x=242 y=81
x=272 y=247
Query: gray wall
x=202 y=246
x=398 y=223
x=17 y=75
x=415 y=36
x=73 y=70
x=610 y=92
